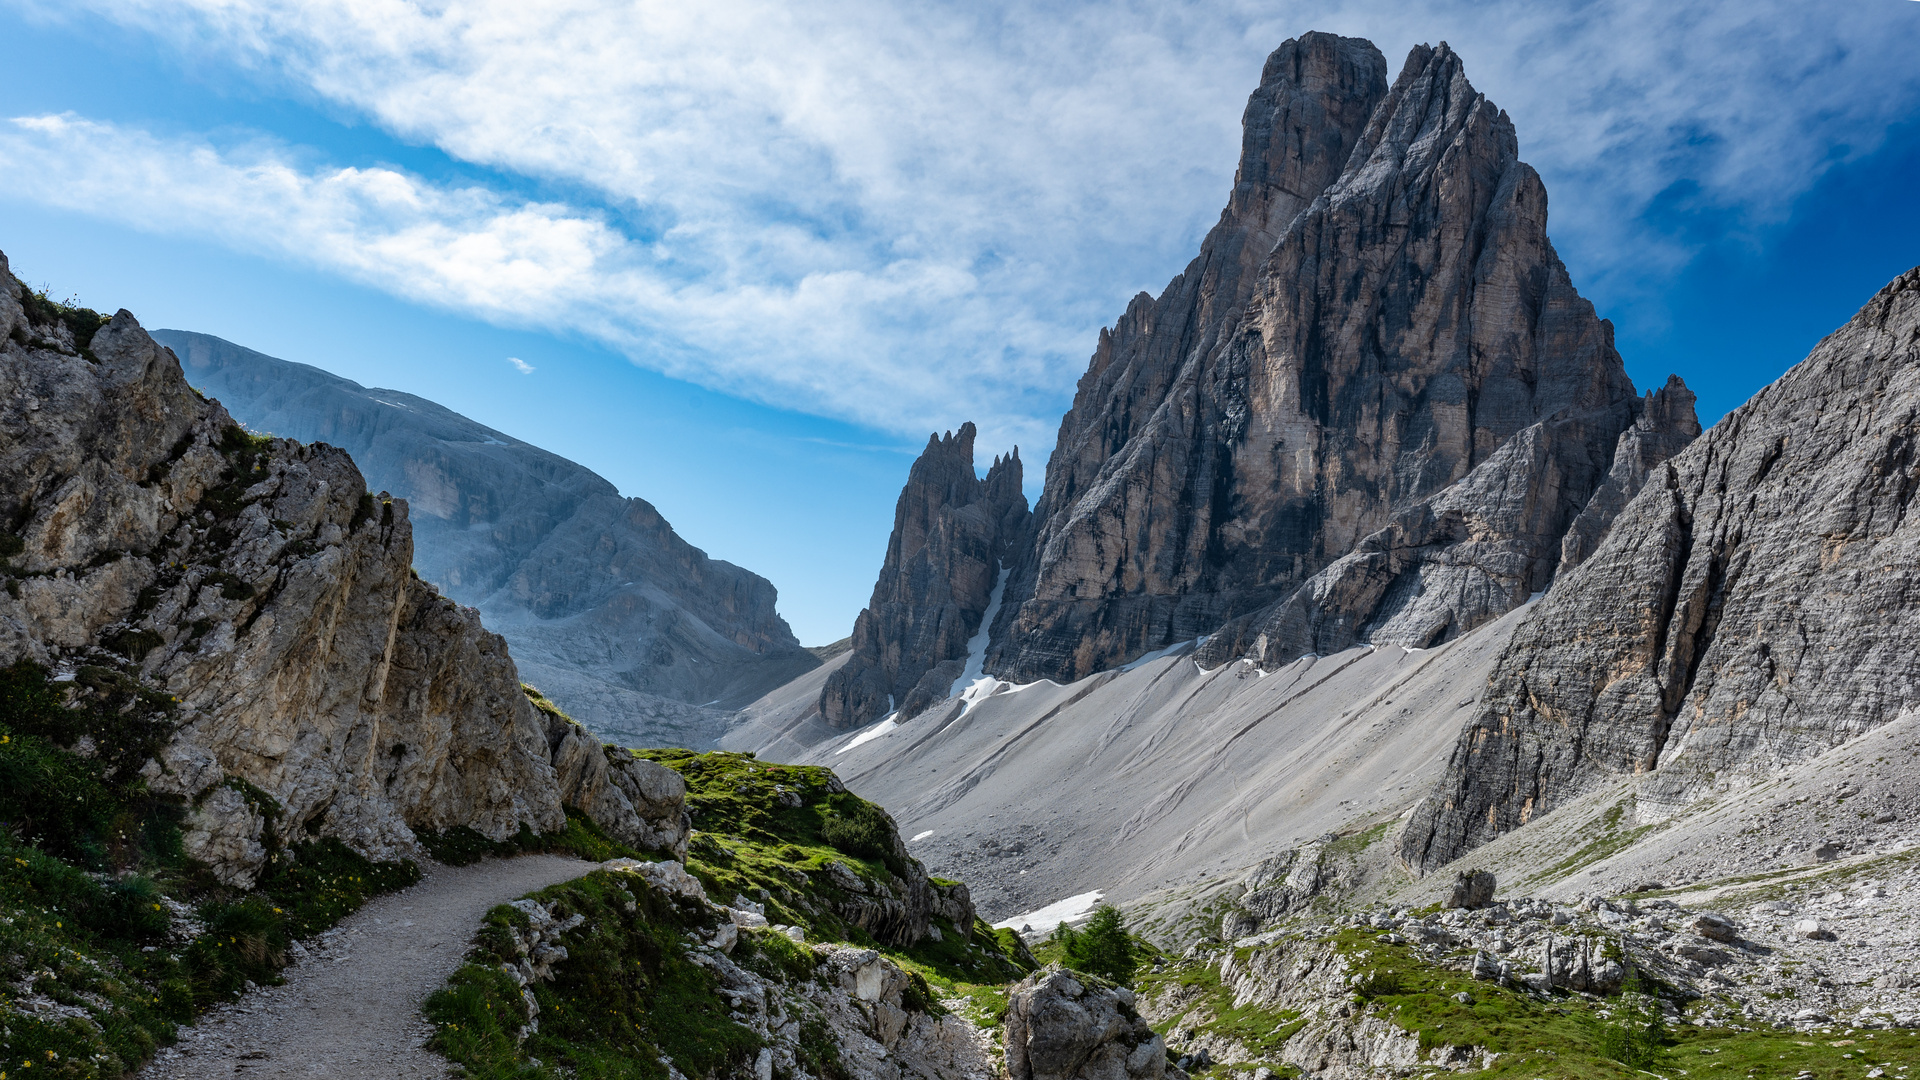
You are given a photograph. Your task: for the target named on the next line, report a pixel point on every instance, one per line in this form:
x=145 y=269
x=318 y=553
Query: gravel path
x=350 y=1009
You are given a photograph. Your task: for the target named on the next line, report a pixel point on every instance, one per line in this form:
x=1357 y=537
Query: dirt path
x=350 y=1010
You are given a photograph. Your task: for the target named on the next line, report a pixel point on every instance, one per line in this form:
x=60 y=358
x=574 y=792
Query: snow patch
x=976 y=668
x=870 y=733
x=1046 y=918
x=917 y=837
x=1160 y=654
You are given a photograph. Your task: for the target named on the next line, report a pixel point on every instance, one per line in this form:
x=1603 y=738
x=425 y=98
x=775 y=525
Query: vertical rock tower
x=952 y=535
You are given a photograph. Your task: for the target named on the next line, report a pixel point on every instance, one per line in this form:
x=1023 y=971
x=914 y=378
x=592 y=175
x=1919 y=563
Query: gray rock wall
x=259 y=583
x=1753 y=606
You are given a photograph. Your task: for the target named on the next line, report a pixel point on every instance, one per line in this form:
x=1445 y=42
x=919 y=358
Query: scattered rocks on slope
x=1064 y=1025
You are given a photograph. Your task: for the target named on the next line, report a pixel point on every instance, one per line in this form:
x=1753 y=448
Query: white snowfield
x=1072 y=909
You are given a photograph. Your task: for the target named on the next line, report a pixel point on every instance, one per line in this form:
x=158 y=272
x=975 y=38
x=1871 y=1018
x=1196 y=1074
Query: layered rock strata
x=1753 y=606
x=607 y=608
x=953 y=532
x=264 y=589
x=1378 y=317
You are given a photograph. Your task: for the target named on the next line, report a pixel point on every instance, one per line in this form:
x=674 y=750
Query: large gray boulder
x=1062 y=1025
x=638 y=802
x=1751 y=607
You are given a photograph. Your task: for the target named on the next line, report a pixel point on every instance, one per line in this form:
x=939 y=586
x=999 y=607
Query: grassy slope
x=627 y=995
x=1568 y=1035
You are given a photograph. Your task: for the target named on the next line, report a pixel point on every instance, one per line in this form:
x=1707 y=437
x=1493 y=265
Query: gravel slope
x=350 y=1008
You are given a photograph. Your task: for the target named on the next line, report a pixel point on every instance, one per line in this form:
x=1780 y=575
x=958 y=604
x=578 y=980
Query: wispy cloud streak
x=909 y=215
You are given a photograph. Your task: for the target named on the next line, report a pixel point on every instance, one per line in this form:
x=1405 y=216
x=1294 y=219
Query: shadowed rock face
x=1475 y=550
x=1377 y=317
x=952 y=534
x=1753 y=606
x=625 y=624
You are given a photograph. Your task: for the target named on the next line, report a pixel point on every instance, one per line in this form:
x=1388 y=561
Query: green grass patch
x=1558 y=1037
x=625 y=995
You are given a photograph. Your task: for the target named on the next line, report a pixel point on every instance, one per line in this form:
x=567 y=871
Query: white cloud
x=520 y=365
x=911 y=215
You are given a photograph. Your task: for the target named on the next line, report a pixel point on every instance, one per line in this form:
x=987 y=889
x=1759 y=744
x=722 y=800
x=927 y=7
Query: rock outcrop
x=1753 y=606
x=260 y=585
x=638 y=802
x=607 y=609
x=1377 y=355
x=953 y=533
x=1063 y=1025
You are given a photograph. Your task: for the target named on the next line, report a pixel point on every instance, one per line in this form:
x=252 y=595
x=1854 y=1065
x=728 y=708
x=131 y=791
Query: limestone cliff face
x=629 y=627
x=258 y=582
x=952 y=534
x=1474 y=550
x=1379 y=318
x=1753 y=606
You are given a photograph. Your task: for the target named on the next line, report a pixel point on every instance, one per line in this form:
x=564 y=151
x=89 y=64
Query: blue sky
x=753 y=253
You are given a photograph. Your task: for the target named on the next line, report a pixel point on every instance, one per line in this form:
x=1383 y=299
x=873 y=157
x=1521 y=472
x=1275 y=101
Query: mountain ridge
x=636 y=632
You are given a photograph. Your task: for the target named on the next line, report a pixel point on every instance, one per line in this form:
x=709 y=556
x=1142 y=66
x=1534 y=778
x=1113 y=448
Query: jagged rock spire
x=951 y=535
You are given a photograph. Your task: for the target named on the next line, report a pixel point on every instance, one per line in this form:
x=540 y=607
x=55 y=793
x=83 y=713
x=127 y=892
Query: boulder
x=1472 y=889
x=1715 y=927
x=1063 y=1025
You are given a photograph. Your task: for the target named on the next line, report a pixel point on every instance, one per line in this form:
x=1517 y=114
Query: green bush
x=1635 y=1034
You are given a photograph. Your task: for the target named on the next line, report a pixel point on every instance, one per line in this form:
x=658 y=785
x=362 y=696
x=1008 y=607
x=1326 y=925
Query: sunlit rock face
x=1752 y=607
x=265 y=590
x=1377 y=318
x=631 y=629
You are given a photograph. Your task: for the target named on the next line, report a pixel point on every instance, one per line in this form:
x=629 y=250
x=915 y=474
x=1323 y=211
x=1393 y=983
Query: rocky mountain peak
x=952 y=533
x=1378 y=313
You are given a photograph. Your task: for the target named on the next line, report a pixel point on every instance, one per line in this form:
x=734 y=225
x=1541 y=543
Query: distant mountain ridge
x=634 y=631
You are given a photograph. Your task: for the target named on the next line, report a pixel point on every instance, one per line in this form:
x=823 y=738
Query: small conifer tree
x=1104 y=948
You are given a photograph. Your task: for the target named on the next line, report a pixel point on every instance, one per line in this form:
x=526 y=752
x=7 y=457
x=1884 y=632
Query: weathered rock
x=630 y=627
x=1472 y=889
x=1752 y=607
x=258 y=583
x=1716 y=927
x=952 y=534
x=638 y=802
x=1667 y=425
x=1378 y=316
x=1063 y=1025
